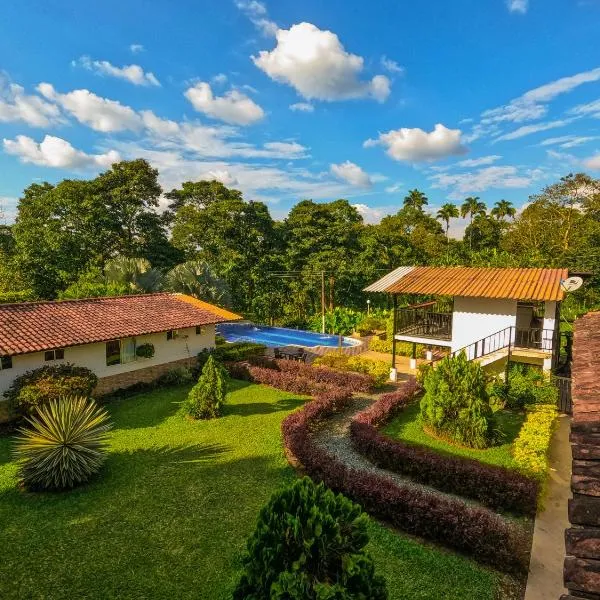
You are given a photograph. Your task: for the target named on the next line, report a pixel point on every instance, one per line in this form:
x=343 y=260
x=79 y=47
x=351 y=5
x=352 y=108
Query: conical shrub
x=63 y=445
x=207 y=397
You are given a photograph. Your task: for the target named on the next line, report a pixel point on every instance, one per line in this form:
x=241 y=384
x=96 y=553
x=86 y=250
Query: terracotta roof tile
x=35 y=326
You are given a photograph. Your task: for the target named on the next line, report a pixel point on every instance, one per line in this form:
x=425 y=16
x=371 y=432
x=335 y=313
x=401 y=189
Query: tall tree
x=447 y=211
x=415 y=199
x=196 y=278
x=472 y=206
x=503 y=209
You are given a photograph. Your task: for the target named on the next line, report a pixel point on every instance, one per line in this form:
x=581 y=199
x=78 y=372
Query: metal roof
x=482 y=282
x=381 y=285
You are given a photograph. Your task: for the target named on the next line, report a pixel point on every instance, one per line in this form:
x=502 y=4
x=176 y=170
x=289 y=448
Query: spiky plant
x=63 y=445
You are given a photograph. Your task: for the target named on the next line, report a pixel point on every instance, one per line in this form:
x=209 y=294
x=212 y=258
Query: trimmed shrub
x=309 y=543
x=377 y=369
x=402 y=348
x=208 y=396
x=39 y=386
x=456 y=403
x=176 y=376
x=63 y=445
x=145 y=351
x=532 y=445
x=477 y=531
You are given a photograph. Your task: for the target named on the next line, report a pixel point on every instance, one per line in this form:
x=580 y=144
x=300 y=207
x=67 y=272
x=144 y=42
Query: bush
x=21 y=296
x=63 y=446
x=371 y=323
x=340 y=320
x=402 y=348
x=309 y=544
x=176 y=376
x=232 y=352
x=208 y=396
x=39 y=386
x=533 y=442
x=450 y=521
x=456 y=403
x=377 y=369
x=145 y=351
x=526 y=386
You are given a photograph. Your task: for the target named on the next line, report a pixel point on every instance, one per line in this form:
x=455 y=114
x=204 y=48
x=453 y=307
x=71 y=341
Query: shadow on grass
x=262 y=408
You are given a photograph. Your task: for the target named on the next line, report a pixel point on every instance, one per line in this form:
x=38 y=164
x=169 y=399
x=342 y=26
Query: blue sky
x=289 y=100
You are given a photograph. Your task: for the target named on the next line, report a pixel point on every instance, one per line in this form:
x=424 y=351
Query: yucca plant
x=63 y=445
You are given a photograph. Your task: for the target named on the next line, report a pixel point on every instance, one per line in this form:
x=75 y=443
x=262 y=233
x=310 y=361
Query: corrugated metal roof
x=517 y=284
x=381 y=285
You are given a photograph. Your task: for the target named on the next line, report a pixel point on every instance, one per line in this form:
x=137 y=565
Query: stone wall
x=146 y=375
x=582 y=539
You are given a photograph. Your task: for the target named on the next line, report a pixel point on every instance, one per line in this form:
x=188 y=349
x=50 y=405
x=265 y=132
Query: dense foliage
x=50 y=382
x=207 y=397
x=456 y=403
x=63 y=445
x=145 y=350
x=524 y=386
x=496 y=487
x=309 y=544
x=378 y=369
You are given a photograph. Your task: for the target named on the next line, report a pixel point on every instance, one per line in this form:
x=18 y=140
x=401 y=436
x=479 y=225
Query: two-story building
x=492 y=314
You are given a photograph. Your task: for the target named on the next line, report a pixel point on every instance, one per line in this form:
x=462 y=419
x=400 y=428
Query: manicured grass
x=170 y=512
x=408 y=428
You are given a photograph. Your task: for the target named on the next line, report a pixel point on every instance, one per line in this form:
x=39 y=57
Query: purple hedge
x=496 y=487
x=473 y=530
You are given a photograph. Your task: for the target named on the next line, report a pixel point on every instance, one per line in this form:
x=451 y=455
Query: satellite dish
x=571 y=284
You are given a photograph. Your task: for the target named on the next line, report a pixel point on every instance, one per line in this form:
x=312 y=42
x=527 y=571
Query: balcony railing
x=425 y=321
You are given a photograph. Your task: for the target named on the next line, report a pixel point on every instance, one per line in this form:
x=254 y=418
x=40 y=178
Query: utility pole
x=322 y=301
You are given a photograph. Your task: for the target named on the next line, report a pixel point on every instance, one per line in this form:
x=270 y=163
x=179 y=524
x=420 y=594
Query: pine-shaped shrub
x=207 y=397
x=63 y=445
x=456 y=403
x=309 y=545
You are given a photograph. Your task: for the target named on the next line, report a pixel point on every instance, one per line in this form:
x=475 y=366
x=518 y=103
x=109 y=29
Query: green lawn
x=408 y=428
x=170 y=512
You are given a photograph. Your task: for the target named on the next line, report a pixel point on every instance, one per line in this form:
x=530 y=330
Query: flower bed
x=477 y=531
x=496 y=487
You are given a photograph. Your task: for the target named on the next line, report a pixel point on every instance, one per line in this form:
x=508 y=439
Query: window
x=113 y=353
x=171 y=334
x=199 y=330
x=127 y=350
x=5 y=362
x=58 y=354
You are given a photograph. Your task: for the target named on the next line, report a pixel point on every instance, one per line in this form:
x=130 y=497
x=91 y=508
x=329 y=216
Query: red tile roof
x=482 y=282
x=35 y=326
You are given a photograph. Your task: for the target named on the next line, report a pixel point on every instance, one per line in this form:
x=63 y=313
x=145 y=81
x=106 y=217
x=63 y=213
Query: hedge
x=533 y=442
x=473 y=530
x=495 y=487
x=378 y=369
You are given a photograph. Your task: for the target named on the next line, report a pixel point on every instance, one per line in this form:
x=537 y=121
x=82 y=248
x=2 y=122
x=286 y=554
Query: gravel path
x=333 y=435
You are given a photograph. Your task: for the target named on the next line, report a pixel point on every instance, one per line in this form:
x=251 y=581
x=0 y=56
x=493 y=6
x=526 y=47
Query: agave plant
x=63 y=445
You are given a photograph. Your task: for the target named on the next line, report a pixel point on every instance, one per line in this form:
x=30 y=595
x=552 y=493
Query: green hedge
x=234 y=352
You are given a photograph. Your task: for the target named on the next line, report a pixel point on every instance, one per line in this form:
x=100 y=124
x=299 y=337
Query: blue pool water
x=279 y=336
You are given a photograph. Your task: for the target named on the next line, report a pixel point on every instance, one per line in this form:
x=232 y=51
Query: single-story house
x=492 y=314
x=102 y=334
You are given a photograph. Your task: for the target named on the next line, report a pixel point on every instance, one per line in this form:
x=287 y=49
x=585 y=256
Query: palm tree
x=197 y=279
x=504 y=208
x=447 y=211
x=135 y=273
x=415 y=199
x=471 y=207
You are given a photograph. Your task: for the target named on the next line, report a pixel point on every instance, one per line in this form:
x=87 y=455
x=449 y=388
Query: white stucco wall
x=475 y=318
x=93 y=356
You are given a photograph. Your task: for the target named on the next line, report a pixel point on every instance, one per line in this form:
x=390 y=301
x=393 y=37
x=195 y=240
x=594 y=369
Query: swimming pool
x=280 y=336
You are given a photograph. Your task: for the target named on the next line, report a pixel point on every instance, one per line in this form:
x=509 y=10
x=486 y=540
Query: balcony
x=428 y=320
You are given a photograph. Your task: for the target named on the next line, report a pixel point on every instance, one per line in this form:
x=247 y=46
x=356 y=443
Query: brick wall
x=146 y=375
x=582 y=539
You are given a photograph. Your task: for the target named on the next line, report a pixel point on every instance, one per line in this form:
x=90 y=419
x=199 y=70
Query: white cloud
x=220 y=79
x=529 y=129
x=351 y=173
x=302 y=107
x=222 y=175
x=233 y=107
x=96 y=112
x=568 y=141
x=257 y=13
x=393 y=189
x=418 y=145
x=519 y=6
x=315 y=63
x=374 y=214
x=56 y=152
x=391 y=65
x=136 y=48
x=132 y=73
x=16 y=105
x=591 y=109
x=478 y=162
x=593 y=162
x=483 y=179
